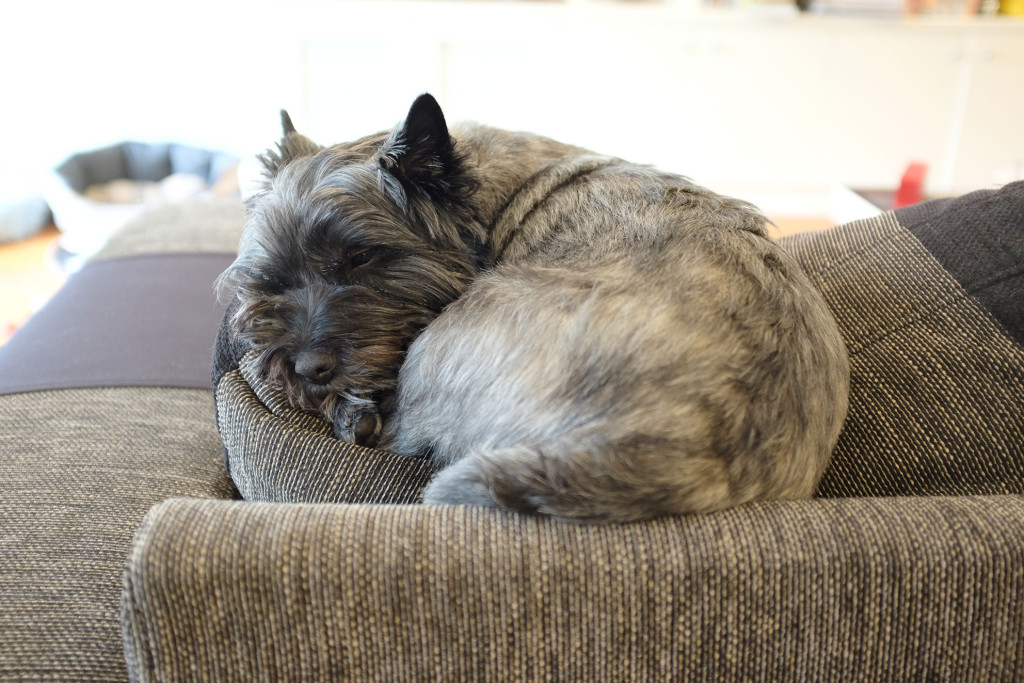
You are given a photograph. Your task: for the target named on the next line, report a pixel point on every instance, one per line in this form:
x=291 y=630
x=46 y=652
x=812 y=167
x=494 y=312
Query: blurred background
x=792 y=107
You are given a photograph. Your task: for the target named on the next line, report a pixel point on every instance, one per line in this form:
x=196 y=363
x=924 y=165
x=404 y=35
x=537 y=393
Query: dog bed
x=94 y=193
x=929 y=301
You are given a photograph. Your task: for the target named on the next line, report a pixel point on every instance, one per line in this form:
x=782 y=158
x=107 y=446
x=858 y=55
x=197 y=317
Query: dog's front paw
x=357 y=423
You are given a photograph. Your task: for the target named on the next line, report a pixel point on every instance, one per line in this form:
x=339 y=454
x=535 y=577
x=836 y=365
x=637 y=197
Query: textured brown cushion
x=937 y=380
x=907 y=589
x=278 y=454
x=79 y=468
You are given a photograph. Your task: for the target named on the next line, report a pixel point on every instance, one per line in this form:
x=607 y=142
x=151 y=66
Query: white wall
x=74 y=76
x=774 y=108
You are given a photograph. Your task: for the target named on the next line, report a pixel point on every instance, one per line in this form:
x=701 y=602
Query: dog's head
x=348 y=252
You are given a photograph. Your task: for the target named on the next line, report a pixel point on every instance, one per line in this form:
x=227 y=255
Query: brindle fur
x=570 y=334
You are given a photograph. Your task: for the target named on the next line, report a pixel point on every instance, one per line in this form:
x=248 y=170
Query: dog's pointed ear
x=286 y=123
x=292 y=146
x=421 y=154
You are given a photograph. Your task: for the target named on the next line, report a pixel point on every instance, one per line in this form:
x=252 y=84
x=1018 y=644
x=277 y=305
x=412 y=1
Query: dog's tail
x=570 y=488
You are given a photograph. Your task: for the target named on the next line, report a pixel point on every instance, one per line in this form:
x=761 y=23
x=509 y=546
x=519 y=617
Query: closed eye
x=364 y=257
x=354 y=264
x=360 y=258
x=265 y=322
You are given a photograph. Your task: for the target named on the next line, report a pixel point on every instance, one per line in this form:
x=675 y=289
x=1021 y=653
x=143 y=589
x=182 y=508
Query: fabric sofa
x=125 y=550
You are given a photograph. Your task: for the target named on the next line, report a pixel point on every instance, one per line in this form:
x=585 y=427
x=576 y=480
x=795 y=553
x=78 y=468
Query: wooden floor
x=28 y=278
x=791 y=226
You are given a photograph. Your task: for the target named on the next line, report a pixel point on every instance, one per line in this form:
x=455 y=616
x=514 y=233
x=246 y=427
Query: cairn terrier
x=568 y=334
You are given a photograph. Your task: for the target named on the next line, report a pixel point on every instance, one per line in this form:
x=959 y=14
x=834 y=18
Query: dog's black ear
x=292 y=146
x=422 y=156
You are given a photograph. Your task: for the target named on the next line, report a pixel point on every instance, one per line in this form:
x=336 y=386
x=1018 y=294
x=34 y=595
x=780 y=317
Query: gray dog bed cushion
x=928 y=299
x=141 y=161
x=88 y=209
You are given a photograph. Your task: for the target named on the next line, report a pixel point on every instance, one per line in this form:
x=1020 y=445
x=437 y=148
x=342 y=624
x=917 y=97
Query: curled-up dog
x=568 y=334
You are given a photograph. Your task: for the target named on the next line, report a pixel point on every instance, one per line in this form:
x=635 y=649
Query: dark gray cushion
x=937 y=379
x=979 y=239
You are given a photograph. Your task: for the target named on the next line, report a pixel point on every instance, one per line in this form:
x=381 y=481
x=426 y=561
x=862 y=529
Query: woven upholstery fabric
x=278 y=454
x=979 y=239
x=79 y=468
x=845 y=589
x=206 y=226
x=937 y=384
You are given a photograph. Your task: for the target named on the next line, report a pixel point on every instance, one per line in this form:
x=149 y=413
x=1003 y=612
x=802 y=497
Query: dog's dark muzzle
x=315 y=365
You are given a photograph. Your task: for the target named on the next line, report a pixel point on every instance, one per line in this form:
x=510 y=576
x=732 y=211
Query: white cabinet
x=621 y=97
x=792 y=104
x=894 y=98
x=743 y=102
x=752 y=101
x=989 y=145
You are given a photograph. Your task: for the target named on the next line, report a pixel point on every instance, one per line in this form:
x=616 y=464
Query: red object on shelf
x=911 y=186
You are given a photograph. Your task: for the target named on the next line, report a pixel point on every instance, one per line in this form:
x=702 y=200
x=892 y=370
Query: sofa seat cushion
x=79 y=468
x=937 y=375
x=937 y=379
x=105 y=410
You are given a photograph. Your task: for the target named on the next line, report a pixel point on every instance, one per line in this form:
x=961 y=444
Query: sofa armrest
x=845 y=588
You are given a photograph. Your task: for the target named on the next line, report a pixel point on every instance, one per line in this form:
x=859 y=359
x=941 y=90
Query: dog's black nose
x=315 y=365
